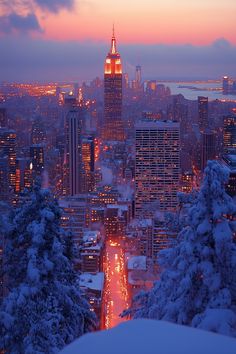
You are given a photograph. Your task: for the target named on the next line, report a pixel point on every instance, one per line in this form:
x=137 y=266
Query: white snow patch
x=152 y=337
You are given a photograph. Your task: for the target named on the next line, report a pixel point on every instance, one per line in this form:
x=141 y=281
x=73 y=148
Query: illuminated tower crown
x=113 y=127
x=113 y=61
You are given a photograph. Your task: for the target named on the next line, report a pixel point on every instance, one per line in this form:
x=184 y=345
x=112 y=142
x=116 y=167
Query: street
x=116 y=296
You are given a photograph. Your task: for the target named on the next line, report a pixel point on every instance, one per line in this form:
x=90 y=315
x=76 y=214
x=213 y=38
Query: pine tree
x=71 y=250
x=44 y=309
x=198 y=283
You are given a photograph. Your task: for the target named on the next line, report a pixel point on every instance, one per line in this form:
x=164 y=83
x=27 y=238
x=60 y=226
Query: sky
x=69 y=39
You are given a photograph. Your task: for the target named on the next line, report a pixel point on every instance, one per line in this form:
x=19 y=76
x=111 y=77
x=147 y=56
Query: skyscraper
x=229 y=135
x=88 y=161
x=38 y=134
x=37 y=159
x=24 y=171
x=157 y=167
x=208 y=147
x=230 y=162
x=3 y=117
x=225 y=85
x=138 y=76
x=8 y=148
x=113 y=128
x=203 y=113
x=4 y=177
x=73 y=151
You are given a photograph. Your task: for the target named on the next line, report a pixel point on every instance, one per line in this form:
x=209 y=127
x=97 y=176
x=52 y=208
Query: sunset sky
x=150 y=21
x=147 y=32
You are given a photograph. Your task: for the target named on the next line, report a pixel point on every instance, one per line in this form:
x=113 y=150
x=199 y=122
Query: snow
x=199 y=271
x=44 y=309
x=92 y=281
x=217 y=320
x=152 y=337
x=91 y=236
x=137 y=263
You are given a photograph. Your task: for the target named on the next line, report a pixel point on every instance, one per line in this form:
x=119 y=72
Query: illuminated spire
x=113 y=41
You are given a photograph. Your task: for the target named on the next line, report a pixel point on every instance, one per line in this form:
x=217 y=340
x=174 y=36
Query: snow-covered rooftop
x=137 y=263
x=91 y=236
x=141 y=222
x=152 y=337
x=117 y=206
x=92 y=281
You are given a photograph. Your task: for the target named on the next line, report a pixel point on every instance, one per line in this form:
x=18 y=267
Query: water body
x=191 y=90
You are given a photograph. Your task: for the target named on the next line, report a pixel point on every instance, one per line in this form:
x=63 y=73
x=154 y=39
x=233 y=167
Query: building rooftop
x=92 y=281
x=137 y=263
x=157 y=125
x=91 y=236
x=141 y=223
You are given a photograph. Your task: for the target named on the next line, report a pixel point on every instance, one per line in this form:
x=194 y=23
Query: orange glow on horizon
x=149 y=23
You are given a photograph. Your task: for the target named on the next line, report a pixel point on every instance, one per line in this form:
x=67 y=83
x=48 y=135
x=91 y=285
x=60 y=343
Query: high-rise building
x=113 y=128
x=225 y=85
x=37 y=160
x=4 y=178
x=229 y=161
x=75 y=215
x=23 y=174
x=187 y=181
x=208 y=147
x=38 y=134
x=1 y=267
x=138 y=77
x=151 y=87
x=162 y=238
x=88 y=160
x=180 y=113
x=203 y=113
x=8 y=148
x=126 y=80
x=157 y=167
x=3 y=117
x=142 y=231
x=73 y=173
x=229 y=134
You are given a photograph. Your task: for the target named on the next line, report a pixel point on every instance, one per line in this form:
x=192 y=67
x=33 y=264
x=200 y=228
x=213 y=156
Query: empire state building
x=113 y=129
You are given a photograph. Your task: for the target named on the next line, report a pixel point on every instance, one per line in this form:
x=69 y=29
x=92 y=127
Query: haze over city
x=65 y=40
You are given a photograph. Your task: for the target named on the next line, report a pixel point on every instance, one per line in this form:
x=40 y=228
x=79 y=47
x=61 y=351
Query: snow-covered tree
x=71 y=250
x=5 y=226
x=198 y=284
x=44 y=309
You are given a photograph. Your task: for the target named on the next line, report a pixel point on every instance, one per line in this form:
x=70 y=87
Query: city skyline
x=117 y=175
x=174 y=41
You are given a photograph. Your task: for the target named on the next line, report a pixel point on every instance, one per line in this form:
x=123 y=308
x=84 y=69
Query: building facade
x=8 y=148
x=203 y=113
x=229 y=134
x=157 y=167
x=73 y=168
x=208 y=147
